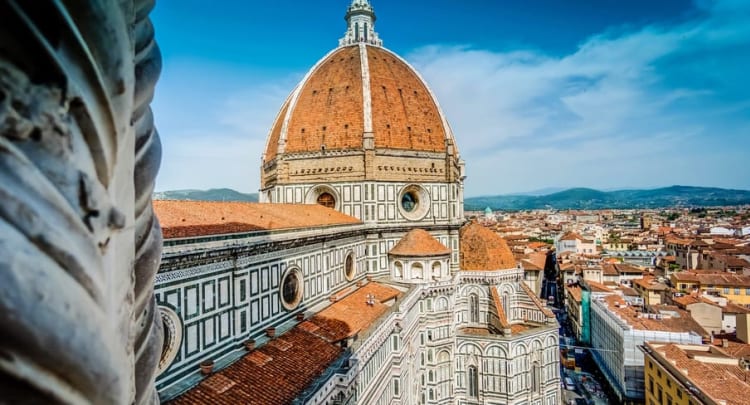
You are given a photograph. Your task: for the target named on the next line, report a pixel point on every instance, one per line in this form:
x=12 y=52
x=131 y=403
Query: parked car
x=569 y=384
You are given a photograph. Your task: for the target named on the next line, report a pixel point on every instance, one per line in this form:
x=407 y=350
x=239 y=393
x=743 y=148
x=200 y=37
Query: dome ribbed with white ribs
x=356 y=90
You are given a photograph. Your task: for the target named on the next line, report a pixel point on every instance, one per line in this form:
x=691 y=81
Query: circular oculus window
x=409 y=201
x=291 y=288
x=413 y=202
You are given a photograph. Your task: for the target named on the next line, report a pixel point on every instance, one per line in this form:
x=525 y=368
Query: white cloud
x=652 y=106
x=626 y=109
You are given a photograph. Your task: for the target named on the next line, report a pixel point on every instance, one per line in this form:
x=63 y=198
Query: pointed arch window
x=473 y=308
x=473 y=383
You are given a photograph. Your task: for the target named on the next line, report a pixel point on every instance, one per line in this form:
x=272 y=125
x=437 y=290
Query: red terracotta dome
x=419 y=242
x=354 y=91
x=483 y=249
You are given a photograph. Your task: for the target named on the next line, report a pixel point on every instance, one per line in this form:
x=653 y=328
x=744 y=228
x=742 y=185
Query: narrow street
x=582 y=383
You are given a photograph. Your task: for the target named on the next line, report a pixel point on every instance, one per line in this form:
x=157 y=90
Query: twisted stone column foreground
x=79 y=244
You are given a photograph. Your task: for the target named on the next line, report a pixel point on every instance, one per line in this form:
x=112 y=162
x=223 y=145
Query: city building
x=682 y=374
x=618 y=328
x=651 y=290
x=356 y=279
x=575 y=243
x=734 y=287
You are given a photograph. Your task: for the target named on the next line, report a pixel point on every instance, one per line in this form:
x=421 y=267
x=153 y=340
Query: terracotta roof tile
x=267 y=375
x=404 y=114
x=535 y=261
x=347 y=317
x=574 y=236
x=726 y=382
x=482 y=249
x=638 y=320
x=329 y=108
x=181 y=219
x=598 y=287
x=650 y=283
x=419 y=242
x=574 y=291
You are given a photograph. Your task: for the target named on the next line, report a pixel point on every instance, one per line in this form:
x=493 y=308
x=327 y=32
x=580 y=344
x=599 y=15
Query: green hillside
x=586 y=198
x=215 y=194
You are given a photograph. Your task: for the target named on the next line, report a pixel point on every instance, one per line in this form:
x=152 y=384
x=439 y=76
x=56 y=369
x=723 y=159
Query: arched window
x=417 y=271
x=398 y=270
x=535 y=377
x=437 y=269
x=327 y=200
x=473 y=308
x=473 y=383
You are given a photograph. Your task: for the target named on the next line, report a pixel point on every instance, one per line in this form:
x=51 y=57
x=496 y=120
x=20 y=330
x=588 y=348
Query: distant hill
x=214 y=194
x=574 y=198
x=586 y=198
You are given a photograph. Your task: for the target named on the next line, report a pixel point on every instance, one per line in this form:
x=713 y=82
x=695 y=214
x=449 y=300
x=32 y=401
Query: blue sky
x=540 y=93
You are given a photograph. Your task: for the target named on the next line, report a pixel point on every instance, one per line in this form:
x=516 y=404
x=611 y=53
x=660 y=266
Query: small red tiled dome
x=483 y=249
x=419 y=242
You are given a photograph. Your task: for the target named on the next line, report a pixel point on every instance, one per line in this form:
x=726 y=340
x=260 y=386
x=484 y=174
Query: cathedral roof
x=483 y=249
x=356 y=91
x=419 y=242
x=280 y=370
x=354 y=313
x=275 y=373
x=182 y=219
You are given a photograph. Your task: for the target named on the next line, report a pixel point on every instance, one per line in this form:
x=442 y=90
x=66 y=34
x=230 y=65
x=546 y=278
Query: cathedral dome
x=357 y=91
x=483 y=249
x=361 y=113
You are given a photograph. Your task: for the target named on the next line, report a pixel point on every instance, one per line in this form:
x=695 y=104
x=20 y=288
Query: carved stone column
x=79 y=244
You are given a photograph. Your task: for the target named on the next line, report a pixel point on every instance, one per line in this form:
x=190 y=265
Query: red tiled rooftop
x=726 y=382
x=598 y=287
x=268 y=375
x=182 y=219
x=574 y=236
x=575 y=292
x=280 y=370
x=352 y=314
x=638 y=320
x=419 y=242
x=713 y=277
x=649 y=283
x=535 y=261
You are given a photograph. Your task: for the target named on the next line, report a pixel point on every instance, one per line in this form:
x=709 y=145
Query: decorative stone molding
x=172 y=337
x=79 y=244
